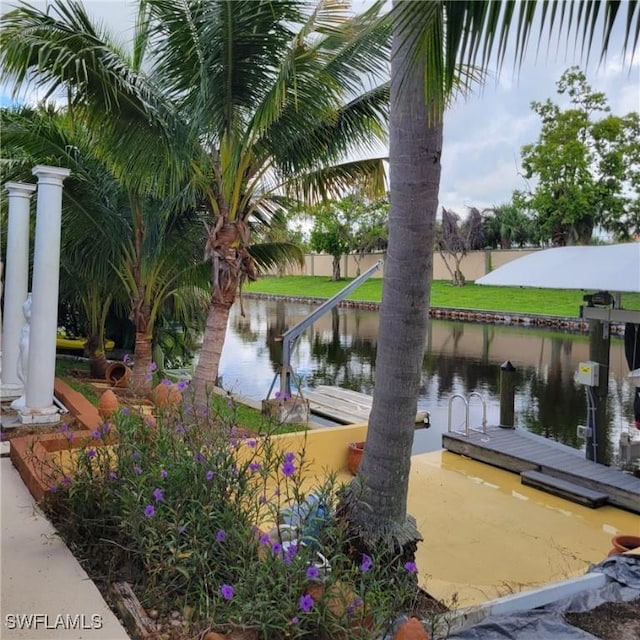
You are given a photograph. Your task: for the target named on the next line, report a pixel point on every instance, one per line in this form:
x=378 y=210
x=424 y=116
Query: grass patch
x=554 y=302
x=67 y=370
x=250 y=418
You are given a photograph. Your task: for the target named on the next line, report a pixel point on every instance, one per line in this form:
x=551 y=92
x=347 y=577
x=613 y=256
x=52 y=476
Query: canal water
x=340 y=349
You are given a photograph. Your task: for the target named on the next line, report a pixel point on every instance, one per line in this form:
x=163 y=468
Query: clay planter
x=354 y=456
x=108 y=404
x=118 y=374
x=166 y=396
x=412 y=629
x=624 y=543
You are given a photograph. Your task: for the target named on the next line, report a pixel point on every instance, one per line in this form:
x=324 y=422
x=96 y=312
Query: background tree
x=587 y=169
x=430 y=41
x=455 y=237
x=370 y=231
x=508 y=225
x=331 y=233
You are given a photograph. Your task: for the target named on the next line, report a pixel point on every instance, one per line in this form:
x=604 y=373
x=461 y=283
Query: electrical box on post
x=588 y=373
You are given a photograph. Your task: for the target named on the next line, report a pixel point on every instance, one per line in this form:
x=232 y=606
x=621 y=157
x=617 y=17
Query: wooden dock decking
x=343 y=405
x=519 y=451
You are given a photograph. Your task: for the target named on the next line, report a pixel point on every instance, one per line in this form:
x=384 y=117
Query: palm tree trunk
x=376 y=501
x=141 y=376
x=206 y=373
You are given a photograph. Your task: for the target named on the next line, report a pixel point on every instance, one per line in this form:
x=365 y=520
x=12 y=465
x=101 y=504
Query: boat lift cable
x=291 y=335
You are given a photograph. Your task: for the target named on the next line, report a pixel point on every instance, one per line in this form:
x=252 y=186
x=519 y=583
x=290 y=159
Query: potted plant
x=354 y=456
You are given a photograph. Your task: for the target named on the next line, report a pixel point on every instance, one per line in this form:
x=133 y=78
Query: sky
x=484 y=132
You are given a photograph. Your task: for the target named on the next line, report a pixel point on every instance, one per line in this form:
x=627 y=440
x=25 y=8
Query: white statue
x=23 y=357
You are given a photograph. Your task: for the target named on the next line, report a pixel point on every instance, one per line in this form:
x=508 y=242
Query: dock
x=345 y=406
x=548 y=465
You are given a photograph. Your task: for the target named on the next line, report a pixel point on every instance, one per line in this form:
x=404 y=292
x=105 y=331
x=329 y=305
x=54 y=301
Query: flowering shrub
x=185 y=510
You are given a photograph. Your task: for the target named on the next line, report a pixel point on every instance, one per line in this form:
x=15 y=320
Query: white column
x=16 y=283
x=44 y=310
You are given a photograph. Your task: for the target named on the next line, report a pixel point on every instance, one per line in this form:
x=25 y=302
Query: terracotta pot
x=118 y=374
x=624 y=543
x=412 y=629
x=166 y=395
x=354 y=456
x=108 y=404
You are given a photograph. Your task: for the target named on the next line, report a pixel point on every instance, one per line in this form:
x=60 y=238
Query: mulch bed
x=610 y=621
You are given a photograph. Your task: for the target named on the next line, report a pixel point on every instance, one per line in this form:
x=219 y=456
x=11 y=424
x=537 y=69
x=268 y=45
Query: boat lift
x=290 y=336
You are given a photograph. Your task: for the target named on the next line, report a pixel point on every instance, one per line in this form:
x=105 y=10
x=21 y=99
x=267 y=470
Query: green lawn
x=553 y=302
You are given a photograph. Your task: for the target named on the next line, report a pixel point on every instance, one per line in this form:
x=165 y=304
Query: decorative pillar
x=44 y=312
x=15 y=284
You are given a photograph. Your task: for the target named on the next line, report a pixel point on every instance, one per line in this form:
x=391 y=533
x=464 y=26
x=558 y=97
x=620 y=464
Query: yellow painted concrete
x=485 y=534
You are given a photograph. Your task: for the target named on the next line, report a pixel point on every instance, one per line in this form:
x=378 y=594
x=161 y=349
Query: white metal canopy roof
x=614 y=268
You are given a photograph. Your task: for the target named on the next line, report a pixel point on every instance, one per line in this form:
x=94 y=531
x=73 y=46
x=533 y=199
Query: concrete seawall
x=540 y=321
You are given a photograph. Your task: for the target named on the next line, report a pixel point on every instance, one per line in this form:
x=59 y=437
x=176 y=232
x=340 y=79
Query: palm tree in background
x=239 y=108
x=110 y=254
x=430 y=39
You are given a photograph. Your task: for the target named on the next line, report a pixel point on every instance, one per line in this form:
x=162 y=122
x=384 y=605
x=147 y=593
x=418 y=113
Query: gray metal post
x=597 y=447
x=507 y=394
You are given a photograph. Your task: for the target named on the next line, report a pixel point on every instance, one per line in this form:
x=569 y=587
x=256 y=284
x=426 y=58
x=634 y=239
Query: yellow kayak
x=78 y=344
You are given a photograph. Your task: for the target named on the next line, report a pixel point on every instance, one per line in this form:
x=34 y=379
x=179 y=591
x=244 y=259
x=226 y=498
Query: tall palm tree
x=237 y=105
x=429 y=40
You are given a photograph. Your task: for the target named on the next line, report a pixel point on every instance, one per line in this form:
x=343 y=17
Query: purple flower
x=255 y=466
x=230 y=404
x=64 y=428
x=312 y=572
x=252 y=443
x=125 y=411
x=54 y=488
x=264 y=540
x=295 y=620
x=70 y=436
x=137 y=469
x=306 y=602
x=66 y=481
x=263 y=499
x=163 y=473
x=158 y=495
x=199 y=458
x=136 y=455
x=96 y=433
x=181 y=528
x=148 y=377
x=226 y=591
x=149 y=511
x=166 y=382
x=289 y=456
x=182 y=385
x=180 y=428
x=290 y=554
x=152 y=367
x=411 y=567
x=276 y=548
x=288 y=469
x=355 y=604
x=366 y=563
x=221 y=535
x=106 y=427
x=91 y=454
x=209 y=475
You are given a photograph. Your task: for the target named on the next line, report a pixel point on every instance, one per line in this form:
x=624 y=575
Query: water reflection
x=340 y=349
